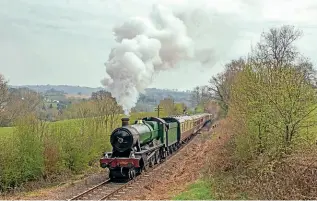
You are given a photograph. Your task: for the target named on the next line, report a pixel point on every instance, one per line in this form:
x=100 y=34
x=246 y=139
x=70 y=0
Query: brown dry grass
x=292 y=177
x=60 y=190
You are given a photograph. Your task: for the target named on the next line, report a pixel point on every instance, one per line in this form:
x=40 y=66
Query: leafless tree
x=168 y=106
x=4 y=94
x=195 y=96
x=107 y=107
x=277 y=47
x=220 y=85
x=21 y=103
x=4 y=97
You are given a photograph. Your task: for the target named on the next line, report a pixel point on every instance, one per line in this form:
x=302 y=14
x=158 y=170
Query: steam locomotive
x=145 y=143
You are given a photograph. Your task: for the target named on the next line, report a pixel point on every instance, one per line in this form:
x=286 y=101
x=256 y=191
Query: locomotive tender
x=148 y=141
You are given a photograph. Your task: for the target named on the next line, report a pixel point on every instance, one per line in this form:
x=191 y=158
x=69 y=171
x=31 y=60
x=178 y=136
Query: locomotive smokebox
x=125 y=121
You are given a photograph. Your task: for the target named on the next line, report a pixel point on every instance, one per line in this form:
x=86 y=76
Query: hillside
x=75 y=90
x=150 y=98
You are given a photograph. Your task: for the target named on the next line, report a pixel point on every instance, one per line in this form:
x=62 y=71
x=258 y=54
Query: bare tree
x=168 y=106
x=195 y=96
x=277 y=47
x=21 y=103
x=84 y=109
x=107 y=107
x=100 y=95
x=114 y=111
x=4 y=94
x=220 y=85
x=4 y=97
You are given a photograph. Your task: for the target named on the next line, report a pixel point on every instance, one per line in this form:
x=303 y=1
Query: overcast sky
x=68 y=41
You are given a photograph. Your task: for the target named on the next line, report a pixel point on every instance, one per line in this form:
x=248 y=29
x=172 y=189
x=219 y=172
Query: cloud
x=67 y=41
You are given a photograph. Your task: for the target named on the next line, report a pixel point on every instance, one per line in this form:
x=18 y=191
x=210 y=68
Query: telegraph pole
x=158 y=109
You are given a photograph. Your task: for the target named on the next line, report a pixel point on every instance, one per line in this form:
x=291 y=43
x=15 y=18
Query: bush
x=38 y=149
x=22 y=154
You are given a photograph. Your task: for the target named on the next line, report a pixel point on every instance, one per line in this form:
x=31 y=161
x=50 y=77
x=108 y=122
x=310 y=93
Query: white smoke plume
x=145 y=47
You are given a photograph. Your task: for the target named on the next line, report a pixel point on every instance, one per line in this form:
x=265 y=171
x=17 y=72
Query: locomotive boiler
x=129 y=138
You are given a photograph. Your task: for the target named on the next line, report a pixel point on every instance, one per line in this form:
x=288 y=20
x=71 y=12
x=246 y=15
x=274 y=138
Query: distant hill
x=151 y=97
x=67 y=89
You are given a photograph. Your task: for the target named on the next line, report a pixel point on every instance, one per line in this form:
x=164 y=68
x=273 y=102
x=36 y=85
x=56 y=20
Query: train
x=139 y=146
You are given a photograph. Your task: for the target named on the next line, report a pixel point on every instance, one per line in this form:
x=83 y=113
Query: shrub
x=38 y=149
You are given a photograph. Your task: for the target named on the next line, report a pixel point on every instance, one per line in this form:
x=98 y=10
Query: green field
x=54 y=105
x=5 y=130
x=133 y=117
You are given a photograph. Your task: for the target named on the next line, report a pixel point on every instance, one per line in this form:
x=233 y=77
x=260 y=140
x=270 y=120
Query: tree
x=274 y=105
x=179 y=108
x=3 y=91
x=168 y=106
x=100 y=95
x=21 y=103
x=273 y=96
x=195 y=96
x=213 y=108
x=106 y=106
x=4 y=98
x=277 y=47
x=200 y=95
x=220 y=85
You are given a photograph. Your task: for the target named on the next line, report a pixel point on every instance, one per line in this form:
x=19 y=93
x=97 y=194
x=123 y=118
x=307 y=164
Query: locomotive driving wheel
x=157 y=157
x=145 y=168
x=132 y=173
x=152 y=161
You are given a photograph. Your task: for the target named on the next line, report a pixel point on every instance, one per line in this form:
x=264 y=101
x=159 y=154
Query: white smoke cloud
x=147 y=46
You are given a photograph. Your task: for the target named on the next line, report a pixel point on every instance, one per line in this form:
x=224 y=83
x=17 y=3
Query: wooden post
x=158 y=109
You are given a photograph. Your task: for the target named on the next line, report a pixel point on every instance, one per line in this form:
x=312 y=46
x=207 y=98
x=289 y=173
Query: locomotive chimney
x=125 y=121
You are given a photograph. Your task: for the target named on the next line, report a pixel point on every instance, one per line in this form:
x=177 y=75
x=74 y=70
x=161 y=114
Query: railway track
x=108 y=190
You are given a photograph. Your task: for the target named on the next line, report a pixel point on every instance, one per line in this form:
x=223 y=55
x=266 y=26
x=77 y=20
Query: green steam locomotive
x=145 y=143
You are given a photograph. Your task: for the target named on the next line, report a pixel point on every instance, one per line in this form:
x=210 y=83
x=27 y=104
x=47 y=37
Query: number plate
x=123 y=163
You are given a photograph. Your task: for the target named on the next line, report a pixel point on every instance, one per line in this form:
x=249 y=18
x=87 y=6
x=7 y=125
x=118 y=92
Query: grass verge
x=200 y=190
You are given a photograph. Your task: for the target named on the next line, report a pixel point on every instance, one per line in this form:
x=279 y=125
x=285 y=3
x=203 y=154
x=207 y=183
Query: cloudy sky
x=68 y=41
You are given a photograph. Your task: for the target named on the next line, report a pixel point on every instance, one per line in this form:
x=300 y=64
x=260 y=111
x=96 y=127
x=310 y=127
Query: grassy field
x=5 y=130
x=133 y=117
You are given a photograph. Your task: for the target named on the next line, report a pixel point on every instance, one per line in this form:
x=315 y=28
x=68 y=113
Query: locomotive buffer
x=158 y=109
